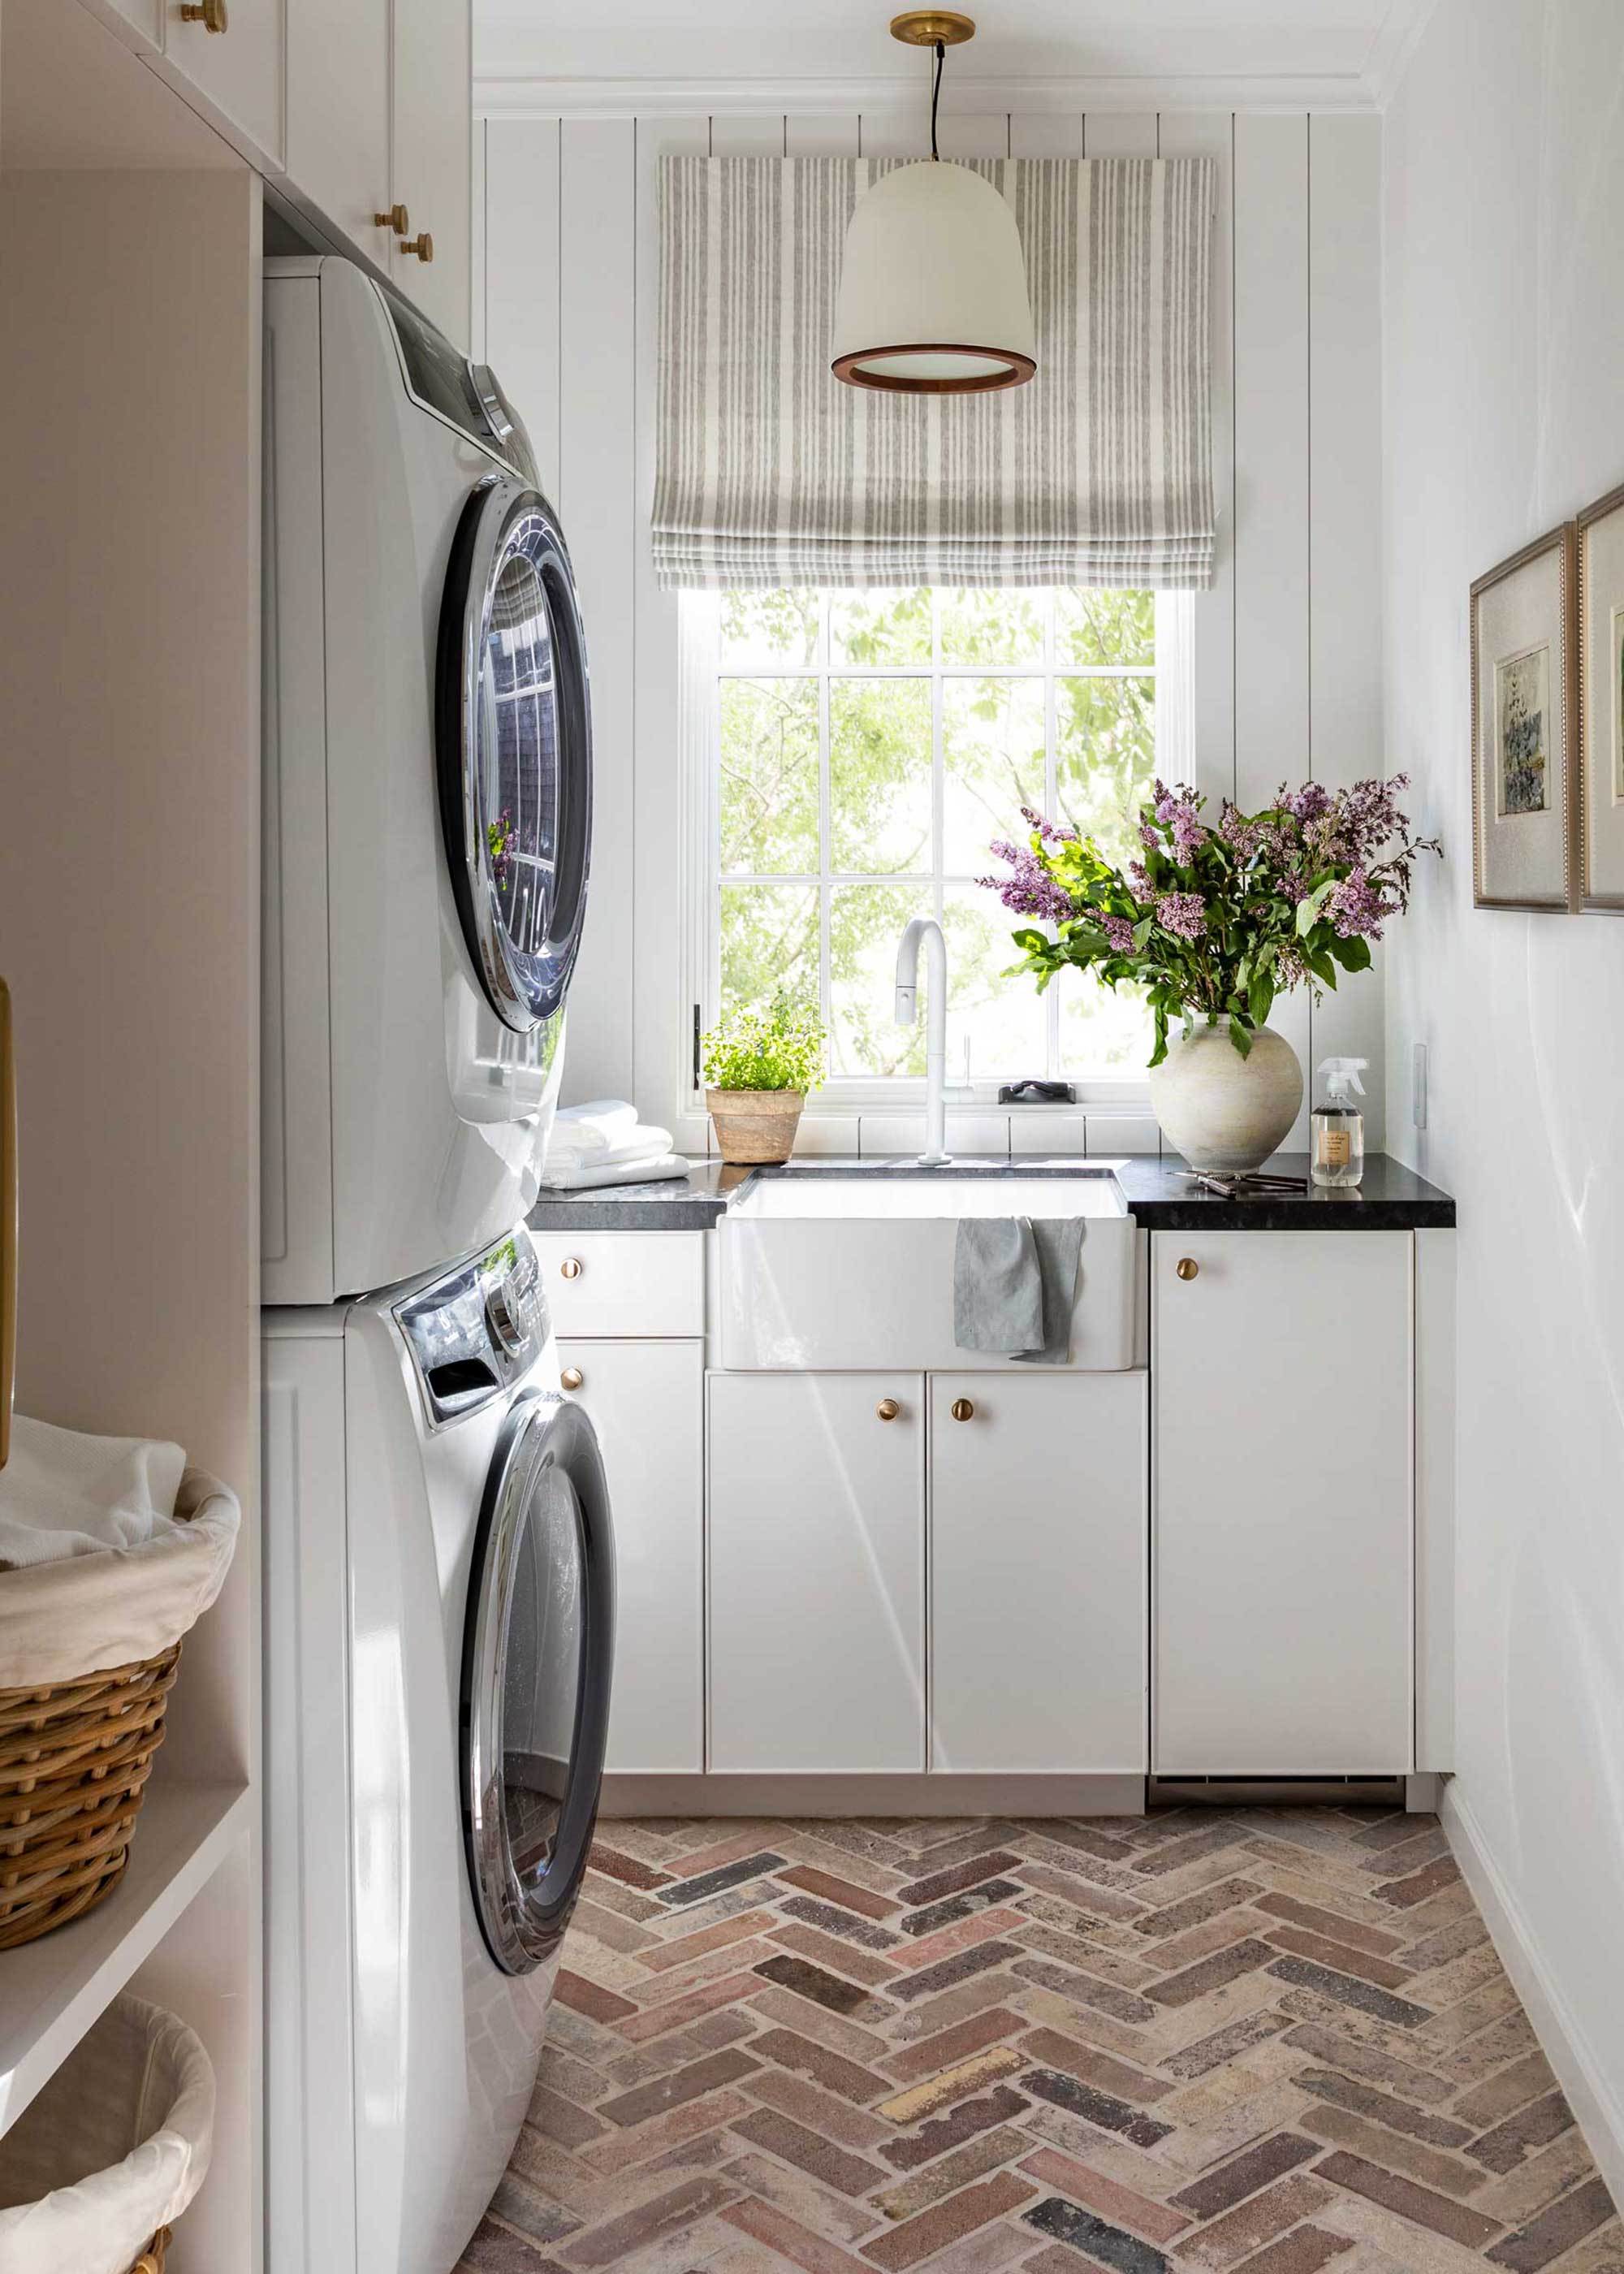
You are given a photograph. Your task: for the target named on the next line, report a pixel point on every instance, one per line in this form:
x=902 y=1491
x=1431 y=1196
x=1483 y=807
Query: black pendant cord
x=936 y=96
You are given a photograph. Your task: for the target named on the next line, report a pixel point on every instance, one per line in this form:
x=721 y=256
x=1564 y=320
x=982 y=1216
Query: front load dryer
x=428 y=778
x=440 y=1605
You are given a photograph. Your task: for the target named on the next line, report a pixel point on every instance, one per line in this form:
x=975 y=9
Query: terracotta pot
x=1226 y=1113
x=755 y=1125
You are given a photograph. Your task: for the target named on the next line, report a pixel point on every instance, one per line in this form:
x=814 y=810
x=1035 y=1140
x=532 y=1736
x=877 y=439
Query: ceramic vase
x=756 y=1125
x=1226 y=1113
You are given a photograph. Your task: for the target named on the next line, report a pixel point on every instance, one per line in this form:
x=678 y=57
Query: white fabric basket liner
x=85 y=1614
x=114 y=2147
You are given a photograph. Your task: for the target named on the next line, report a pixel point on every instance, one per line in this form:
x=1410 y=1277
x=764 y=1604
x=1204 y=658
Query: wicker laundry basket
x=97 y=2169
x=76 y=1748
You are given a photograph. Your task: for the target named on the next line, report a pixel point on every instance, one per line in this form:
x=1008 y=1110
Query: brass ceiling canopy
x=924 y=27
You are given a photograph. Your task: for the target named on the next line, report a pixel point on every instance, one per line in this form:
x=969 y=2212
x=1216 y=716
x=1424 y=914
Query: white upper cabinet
x=1282 y=1376
x=1038 y=1572
x=338 y=114
x=434 y=159
x=817 y=1571
x=232 y=52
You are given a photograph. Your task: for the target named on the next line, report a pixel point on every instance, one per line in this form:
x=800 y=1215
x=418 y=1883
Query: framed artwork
x=1525 y=727
x=1601 y=703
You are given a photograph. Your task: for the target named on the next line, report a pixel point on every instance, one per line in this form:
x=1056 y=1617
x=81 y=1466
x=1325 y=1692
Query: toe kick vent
x=1274 y=1792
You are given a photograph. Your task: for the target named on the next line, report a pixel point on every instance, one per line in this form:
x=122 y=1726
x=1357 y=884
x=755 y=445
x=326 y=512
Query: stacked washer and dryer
x=438 y=1558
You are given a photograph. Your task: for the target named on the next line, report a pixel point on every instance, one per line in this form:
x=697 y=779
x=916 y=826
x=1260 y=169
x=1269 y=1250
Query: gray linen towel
x=1014 y=1279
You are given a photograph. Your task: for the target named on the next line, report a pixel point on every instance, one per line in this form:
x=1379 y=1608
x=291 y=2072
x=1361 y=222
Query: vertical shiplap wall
x=1287 y=662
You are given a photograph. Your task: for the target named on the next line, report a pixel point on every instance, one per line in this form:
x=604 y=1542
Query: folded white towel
x=591 y=1174
x=644 y=1143
x=596 y=1127
x=63 y=1493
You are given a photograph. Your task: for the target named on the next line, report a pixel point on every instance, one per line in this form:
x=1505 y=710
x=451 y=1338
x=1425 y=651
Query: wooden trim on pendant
x=1017 y=369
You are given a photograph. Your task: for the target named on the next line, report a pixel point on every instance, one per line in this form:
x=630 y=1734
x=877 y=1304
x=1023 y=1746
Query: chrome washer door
x=513 y=749
x=536 y=1659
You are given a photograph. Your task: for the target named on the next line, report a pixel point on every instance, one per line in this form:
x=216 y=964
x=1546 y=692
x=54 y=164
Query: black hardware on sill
x=1037 y=1093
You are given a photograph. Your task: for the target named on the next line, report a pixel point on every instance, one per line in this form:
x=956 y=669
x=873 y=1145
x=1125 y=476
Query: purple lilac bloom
x=1308 y=803
x=1149 y=838
x=1051 y=832
x=1030 y=891
x=1357 y=908
x=1183 y=914
x=1119 y=931
x=1140 y=876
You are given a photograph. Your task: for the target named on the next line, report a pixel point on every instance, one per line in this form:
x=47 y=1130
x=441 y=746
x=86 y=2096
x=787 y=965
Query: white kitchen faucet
x=929 y=931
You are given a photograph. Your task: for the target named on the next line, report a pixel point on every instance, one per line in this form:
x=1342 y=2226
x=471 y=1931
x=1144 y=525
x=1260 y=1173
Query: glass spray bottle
x=1338 y=1126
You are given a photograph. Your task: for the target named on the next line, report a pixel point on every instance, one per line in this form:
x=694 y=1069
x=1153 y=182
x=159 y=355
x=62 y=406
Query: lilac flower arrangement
x=1214 y=921
x=498 y=836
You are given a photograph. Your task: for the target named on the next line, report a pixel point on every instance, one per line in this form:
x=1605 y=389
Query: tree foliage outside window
x=872 y=746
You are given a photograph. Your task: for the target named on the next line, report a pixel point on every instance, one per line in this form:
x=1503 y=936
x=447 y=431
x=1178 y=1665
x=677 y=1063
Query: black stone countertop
x=1161 y=1193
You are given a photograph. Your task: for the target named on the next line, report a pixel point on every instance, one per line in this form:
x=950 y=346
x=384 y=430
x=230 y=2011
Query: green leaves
x=1239 y=1036
x=1308 y=910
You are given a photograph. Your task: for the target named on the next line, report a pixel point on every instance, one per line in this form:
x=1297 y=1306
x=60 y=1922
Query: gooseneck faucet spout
x=926 y=928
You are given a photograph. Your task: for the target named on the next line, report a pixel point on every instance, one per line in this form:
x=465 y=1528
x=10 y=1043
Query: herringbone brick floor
x=1268 y=2040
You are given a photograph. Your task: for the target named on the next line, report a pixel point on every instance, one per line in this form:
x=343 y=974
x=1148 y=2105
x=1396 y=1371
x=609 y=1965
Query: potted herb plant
x=1212 y=923
x=760 y=1062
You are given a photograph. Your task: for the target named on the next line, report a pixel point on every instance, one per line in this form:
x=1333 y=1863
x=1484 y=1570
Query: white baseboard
x=1594 y=2102
x=873 y=1795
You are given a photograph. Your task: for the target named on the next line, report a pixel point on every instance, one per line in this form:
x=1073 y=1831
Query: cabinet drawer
x=624 y=1283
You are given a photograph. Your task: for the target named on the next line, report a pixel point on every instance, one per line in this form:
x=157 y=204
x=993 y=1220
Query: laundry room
x=809 y=1424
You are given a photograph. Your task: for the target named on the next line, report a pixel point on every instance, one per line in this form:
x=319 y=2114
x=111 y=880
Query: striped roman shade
x=1099 y=471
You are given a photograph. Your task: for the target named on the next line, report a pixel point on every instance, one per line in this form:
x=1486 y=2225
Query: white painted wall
x=1504 y=331
x=1288 y=643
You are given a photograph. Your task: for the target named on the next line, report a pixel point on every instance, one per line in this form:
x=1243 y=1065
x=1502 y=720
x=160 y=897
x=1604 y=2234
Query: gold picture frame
x=1525 y=728
x=1601 y=703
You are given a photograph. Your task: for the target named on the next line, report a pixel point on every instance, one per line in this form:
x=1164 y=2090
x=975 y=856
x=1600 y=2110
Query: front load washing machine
x=439 y=1579
x=428 y=781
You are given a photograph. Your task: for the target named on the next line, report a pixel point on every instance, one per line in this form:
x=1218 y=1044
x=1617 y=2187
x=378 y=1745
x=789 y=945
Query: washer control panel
x=473 y=1332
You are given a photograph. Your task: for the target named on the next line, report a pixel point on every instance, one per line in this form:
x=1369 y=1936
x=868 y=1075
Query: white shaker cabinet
x=433 y=159
x=1038 y=1572
x=817 y=1571
x=1282 y=1373
x=646 y=1401
x=338 y=114
x=232 y=52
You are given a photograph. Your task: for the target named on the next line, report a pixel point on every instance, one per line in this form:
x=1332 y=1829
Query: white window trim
x=697 y=965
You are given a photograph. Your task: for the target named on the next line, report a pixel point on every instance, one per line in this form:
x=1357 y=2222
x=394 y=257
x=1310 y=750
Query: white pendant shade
x=933 y=290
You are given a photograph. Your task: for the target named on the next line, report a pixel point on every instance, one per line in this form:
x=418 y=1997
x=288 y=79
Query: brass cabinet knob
x=1187 y=1266
x=397 y=218
x=210 y=13
x=961 y=1409
x=571 y=1268
x=572 y=1377
x=422 y=245
x=888 y=1409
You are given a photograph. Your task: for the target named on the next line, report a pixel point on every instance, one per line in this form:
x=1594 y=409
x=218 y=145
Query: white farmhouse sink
x=855 y=1270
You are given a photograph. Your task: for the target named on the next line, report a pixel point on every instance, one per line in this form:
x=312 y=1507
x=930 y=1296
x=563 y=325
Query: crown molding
x=521 y=95
x=1397 y=38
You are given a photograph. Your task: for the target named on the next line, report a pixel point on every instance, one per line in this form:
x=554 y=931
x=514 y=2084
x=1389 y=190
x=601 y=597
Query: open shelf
x=53 y=1990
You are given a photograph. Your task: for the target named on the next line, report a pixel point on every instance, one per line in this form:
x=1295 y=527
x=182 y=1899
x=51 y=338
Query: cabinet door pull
x=888 y=1409
x=962 y=1409
x=397 y=218
x=572 y=1377
x=1187 y=1266
x=421 y=246
x=571 y=1268
x=210 y=13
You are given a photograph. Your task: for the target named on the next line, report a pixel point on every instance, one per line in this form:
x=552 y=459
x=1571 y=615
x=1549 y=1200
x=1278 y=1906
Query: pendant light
x=933 y=290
